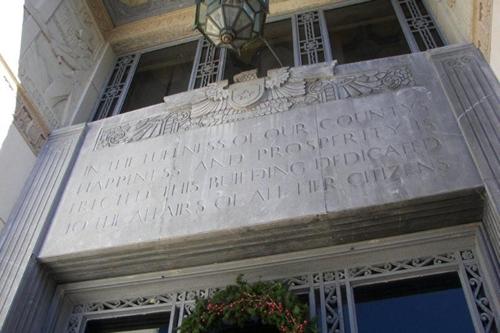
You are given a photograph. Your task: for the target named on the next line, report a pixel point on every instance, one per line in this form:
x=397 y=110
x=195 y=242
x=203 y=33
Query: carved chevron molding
x=282 y=90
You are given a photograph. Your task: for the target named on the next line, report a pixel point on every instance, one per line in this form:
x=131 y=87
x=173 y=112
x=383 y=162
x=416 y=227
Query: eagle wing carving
x=215 y=101
x=281 y=84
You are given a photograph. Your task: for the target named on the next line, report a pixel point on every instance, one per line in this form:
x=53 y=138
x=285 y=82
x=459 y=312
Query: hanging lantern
x=231 y=23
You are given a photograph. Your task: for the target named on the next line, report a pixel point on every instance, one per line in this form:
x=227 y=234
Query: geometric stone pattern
x=326 y=289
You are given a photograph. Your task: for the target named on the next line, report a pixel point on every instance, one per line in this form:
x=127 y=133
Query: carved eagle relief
x=215 y=101
x=244 y=96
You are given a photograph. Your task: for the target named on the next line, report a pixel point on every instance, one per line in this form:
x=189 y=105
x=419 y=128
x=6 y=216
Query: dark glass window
x=366 y=31
x=424 y=305
x=157 y=323
x=160 y=73
x=257 y=54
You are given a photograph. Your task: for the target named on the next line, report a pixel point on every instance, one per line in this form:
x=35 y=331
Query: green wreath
x=270 y=303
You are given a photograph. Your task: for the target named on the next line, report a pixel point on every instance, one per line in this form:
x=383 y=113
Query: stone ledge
x=370 y=223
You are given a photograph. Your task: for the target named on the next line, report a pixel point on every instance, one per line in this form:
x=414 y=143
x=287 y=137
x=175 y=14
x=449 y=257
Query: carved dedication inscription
x=297 y=165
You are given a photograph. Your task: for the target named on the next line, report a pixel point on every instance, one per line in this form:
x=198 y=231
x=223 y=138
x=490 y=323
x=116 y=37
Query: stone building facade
x=366 y=164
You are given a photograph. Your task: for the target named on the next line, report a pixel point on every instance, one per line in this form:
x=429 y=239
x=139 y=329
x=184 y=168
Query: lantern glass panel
x=212 y=5
x=202 y=13
x=245 y=33
x=255 y=4
x=212 y=28
x=218 y=17
x=231 y=14
x=243 y=21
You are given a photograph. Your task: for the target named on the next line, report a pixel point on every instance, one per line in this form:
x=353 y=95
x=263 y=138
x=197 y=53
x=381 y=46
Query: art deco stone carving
x=31 y=126
x=280 y=91
x=59 y=59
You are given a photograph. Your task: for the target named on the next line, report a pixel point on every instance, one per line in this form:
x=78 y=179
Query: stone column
x=474 y=93
x=26 y=288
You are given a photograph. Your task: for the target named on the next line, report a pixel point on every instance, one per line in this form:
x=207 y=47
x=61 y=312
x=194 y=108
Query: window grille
x=114 y=94
x=420 y=30
x=310 y=39
x=208 y=66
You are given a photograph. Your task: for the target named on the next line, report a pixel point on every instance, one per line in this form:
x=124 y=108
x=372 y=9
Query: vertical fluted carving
x=23 y=284
x=474 y=93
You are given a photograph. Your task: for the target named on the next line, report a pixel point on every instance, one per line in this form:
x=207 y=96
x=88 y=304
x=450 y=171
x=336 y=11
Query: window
x=368 y=30
x=160 y=73
x=446 y=292
x=426 y=304
x=257 y=55
x=150 y=323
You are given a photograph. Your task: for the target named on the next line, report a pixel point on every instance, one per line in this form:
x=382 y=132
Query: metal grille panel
x=208 y=65
x=114 y=94
x=310 y=40
x=418 y=25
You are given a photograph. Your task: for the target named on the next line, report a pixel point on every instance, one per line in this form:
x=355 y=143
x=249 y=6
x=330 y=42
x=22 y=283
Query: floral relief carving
x=280 y=91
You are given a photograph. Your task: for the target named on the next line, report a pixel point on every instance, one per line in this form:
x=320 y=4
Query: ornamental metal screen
x=208 y=64
x=421 y=32
x=329 y=294
x=114 y=94
x=312 y=45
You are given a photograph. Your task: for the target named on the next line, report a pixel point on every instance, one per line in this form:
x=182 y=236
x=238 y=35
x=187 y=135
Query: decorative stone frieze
x=282 y=90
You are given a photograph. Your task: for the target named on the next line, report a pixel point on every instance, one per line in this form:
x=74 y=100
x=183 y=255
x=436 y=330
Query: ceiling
x=126 y=11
